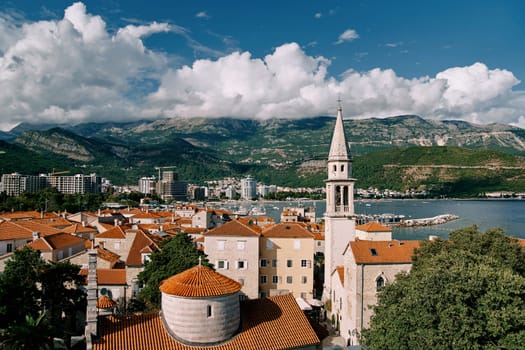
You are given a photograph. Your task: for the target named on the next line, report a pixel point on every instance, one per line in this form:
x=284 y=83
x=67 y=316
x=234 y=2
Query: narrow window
x=304 y=279
x=289 y=263
x=342 y=168
x=373 y=251
x=289 y=279
x=208 y=311
x=380 y=283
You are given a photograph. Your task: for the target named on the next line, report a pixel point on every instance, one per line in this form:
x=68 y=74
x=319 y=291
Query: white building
x=147 y=185
x=248 y=188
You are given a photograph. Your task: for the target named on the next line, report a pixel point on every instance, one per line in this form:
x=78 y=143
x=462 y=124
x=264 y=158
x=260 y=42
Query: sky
x=111 y=60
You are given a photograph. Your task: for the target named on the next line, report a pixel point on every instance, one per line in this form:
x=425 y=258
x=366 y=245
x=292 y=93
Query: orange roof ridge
x=373 y=226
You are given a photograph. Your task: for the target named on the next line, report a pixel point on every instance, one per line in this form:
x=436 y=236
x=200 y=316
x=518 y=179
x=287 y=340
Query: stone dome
x=201 y=306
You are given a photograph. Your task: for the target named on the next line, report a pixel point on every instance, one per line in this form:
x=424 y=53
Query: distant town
x=317 y=276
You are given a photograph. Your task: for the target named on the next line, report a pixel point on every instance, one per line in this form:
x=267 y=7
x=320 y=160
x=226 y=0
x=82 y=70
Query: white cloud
x=74 y=70
x=318 y=15
x=202 y=14
x=347 y=35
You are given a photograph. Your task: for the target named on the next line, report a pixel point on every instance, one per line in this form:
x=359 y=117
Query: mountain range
x=281 y=151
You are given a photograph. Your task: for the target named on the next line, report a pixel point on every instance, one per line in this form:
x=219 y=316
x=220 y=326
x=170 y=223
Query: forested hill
x=399 y=152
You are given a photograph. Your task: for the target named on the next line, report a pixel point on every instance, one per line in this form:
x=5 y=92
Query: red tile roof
x=233 y=228
x=287 y=230
x=140 y=242
x=373 y=226
x=115 y=232
x=381 y=252
x=107 y=255
x=108 y=276
x=57 y=241
x=23 y=230
x=267 y=324
x=105 y=302
x=199 y=281
x=341 y=272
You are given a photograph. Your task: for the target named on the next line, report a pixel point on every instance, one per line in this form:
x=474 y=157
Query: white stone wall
x=361 y=293
x=202 y=320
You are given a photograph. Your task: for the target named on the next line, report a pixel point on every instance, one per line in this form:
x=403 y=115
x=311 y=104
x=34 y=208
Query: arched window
x=335 y=167
x=380 y=282
x=342 y=167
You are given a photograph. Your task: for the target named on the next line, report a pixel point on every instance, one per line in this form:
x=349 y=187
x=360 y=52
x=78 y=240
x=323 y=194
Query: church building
x=358 y=262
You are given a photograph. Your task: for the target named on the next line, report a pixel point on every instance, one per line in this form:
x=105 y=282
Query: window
x=274 y=263
x=241 y=245
x=263 y=295
x=264 y=263
x=335 y=167
x=289 y=263
x=222 y=264
x=208 y=311
x=269 y=244
x=304 y=279
x=276 y=279
x=373 y=251
x=146 y=257
x=9 y=247
x=263 y=279
x=305 y=263
x=221 y=244
x=297 y=244
x=242 y=264
x=342 y=167
x=380 y=282
x=289 y=279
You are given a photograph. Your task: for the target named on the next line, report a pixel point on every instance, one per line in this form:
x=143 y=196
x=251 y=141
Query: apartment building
x=233 y=249
x=286 y=261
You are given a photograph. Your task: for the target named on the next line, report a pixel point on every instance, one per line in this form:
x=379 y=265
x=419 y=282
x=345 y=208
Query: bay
x=508 y=215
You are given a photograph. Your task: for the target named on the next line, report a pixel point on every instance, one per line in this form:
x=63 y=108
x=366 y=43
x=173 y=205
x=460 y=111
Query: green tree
x=467 y=292
x=29 y=287
x=177 y=254
x=32 y=333
x=19 y=292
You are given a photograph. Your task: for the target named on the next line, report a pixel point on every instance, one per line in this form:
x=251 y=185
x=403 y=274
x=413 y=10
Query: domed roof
x=199 y=281
x=105 y=302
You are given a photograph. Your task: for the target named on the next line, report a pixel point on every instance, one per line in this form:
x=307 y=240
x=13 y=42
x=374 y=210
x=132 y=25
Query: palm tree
x=30 y=334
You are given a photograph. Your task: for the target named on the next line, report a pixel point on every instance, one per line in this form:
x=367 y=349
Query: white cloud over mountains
x=74 y=70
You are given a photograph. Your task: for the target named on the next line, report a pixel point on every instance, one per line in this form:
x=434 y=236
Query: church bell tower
x=339 y=215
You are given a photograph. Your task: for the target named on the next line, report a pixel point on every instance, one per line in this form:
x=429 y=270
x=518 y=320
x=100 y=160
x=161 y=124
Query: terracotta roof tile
x=373 y=226
x=380 y=252
x=57 y=241
x=105 y=302
x=107 y=255
x=270 y=324
x=199 y=281
x=140 y=242
x=24 y=230
x=288 y=230
x=78 y=228
x=341 y=272
x=233 y=228
x=116 y=232
x=108 y=276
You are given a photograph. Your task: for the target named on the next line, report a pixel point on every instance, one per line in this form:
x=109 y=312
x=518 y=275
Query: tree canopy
x=467 y=292
x=34 y=293
x=177 y=254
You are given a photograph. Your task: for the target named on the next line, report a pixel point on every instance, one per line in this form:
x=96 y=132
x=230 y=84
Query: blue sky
x=62 y=61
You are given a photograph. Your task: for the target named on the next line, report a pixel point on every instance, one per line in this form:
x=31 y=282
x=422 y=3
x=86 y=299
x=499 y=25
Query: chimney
x=92 y=296
x=116 y=222
x=36 y=235
x=83 y=223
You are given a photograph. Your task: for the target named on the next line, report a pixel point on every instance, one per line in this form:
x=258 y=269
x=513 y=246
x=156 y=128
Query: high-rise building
x=15 y=184
x=147 y=185
x=248 y=188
